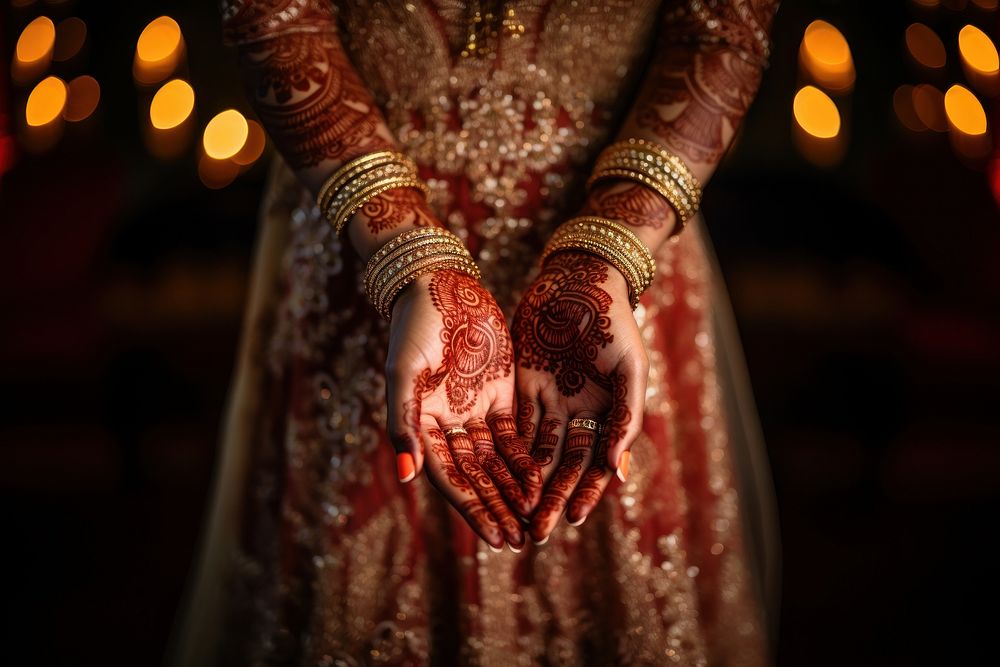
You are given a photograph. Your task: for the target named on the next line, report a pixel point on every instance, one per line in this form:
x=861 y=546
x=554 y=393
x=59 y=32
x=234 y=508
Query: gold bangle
x=652 y=165
x=387 y=296
x=611 y=241
x=349 y=170
x=673 y=196
x=651 y=147
x=408 y=256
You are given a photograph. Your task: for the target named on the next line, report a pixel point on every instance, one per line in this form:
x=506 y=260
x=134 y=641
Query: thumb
x=628 y=402
x=403 y=425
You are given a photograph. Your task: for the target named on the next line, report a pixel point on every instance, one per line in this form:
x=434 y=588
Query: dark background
x=867 y=295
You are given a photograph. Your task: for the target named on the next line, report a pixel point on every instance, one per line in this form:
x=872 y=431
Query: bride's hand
x=579 y=356
x=450 y=389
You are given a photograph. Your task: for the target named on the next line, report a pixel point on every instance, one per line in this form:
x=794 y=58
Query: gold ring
x=589 y=424
x=455 y=430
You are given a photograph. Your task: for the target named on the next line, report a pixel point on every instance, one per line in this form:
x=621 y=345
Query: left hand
x=579 y=355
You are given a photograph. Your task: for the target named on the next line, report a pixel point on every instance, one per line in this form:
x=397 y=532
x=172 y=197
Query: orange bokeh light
x=172 y=104
x=46 y=102
x=826 y=56
x=225 y=134
x=83 y=95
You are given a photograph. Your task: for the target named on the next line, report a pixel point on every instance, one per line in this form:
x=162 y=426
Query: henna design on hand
x=516 y=452
x=525 y=425
x=477 y=347
x=394 y=208
x=486 y=455
x=468 y=464
x=562 y=321
x=595 y=480
x=548 y=440
x=577 y=454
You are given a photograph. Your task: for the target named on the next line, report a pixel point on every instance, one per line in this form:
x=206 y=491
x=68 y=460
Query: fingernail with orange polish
x=405 y=467
x=623 y=462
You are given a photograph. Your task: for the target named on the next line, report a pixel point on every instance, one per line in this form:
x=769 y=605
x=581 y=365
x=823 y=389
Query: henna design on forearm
x=394 y=208
x=562 y=321
x=704 y=75
x=631 y=203
x=302 y=84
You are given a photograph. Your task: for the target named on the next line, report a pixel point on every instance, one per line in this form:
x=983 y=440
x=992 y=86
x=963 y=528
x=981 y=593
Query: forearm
x=701 y=80
x=316 y=109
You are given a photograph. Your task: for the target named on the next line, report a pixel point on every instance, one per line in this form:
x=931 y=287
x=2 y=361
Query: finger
x=624 y=423
x=516 y=453
x=546 y=452
x=486 y=455
x=403 y=425
x=457 y=489
x=529 y=413
x=461 y=444
x=576 y=458
x=551 y=434
x=592 y=485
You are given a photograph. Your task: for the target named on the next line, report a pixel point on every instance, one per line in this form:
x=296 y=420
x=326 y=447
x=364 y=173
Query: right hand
x=450 y=364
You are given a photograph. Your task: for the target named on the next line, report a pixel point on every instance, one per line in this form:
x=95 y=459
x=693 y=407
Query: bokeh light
x=925 y=46
x=902 y=104
x=158 y=50
x=33 y=51
x=965 y=113
x=159 y=40
x=36 y=41
x=225 y=134
x=253 y=148
x=928 y=102
x=216 y=174
x=816 y=113
x=70 y=37
x=83 y=95
x=978 y=50
x=46 y=102
x=826 y=56
x=171 y=105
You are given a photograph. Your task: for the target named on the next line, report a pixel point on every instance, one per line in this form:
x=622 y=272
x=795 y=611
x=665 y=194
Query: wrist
x=386 y=216
x=616 y=283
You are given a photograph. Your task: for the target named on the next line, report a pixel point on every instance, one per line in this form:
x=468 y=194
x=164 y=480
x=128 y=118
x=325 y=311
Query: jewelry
x=613 y=242
x=410 y=255
x=455 y=430
x=650 y=164
x=357 y=182
x=589 y=424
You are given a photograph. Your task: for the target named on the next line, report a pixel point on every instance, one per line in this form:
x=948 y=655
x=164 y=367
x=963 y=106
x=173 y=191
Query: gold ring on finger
x=589 y=424
x=455 y=430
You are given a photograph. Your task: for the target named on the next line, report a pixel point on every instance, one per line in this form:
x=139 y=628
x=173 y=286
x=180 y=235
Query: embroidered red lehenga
x=314 y=554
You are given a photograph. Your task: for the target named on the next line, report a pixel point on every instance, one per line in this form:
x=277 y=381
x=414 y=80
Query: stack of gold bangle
x=652 y=165
x=362 y=179
x=611 y=241
x=407 y=257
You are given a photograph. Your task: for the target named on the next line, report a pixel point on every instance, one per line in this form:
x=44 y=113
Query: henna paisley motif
x=477 y=347
x=562 y=321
